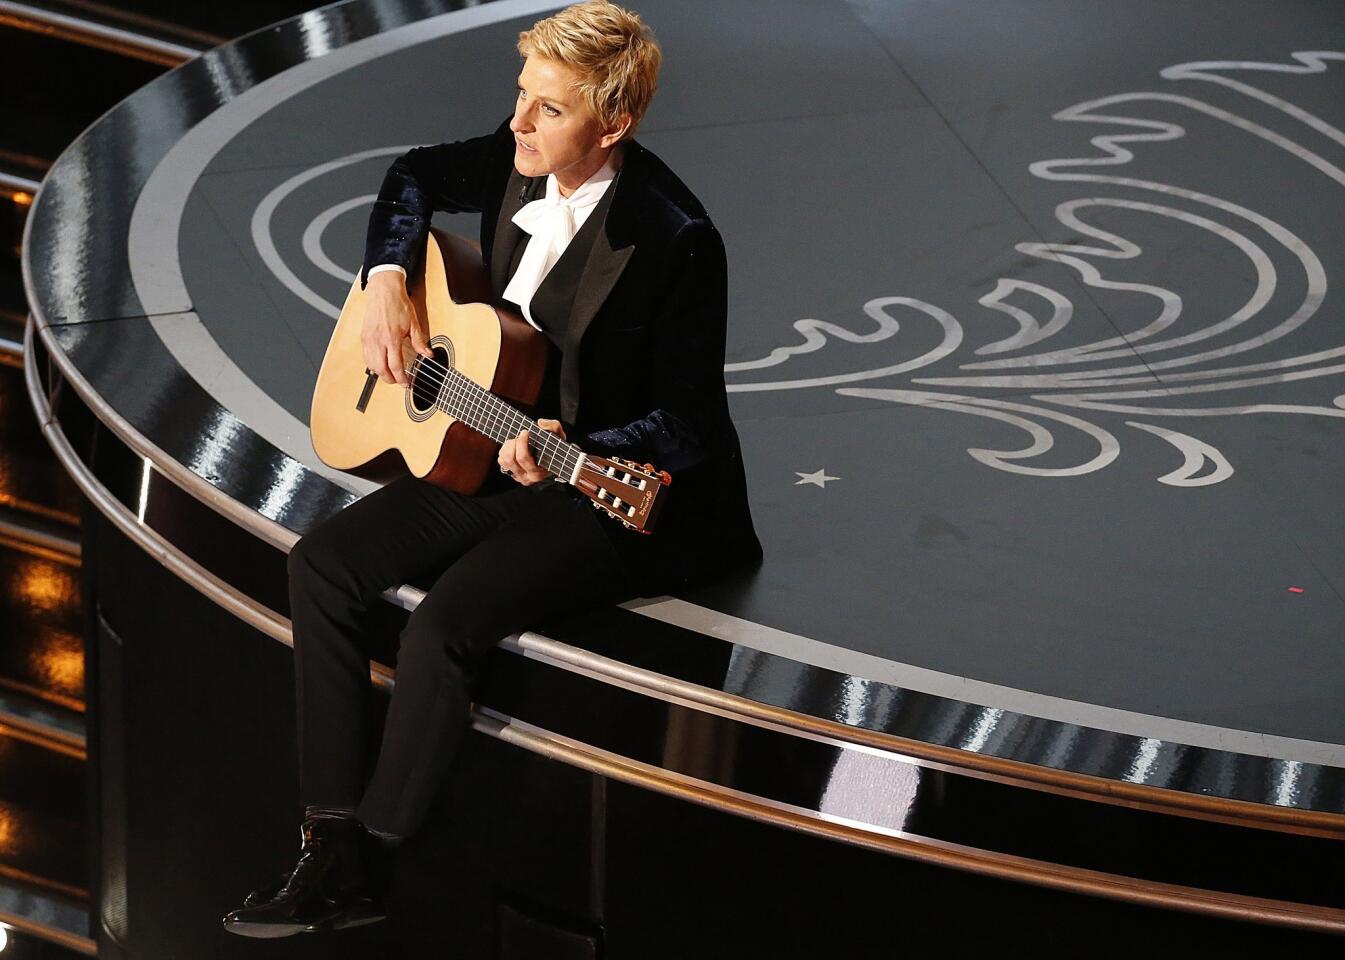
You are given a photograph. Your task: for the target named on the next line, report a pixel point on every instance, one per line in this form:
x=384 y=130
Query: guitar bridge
x=369 y=380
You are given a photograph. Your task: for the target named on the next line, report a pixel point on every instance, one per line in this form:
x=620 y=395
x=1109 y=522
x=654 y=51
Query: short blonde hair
x=613 y=51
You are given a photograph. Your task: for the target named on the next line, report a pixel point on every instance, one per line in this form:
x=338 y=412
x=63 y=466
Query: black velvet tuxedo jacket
x=642 y=361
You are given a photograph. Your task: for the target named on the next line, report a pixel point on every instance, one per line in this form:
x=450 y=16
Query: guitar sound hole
x=430 y=378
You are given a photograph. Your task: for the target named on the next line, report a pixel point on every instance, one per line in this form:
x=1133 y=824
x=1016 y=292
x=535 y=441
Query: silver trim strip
x=898 y=842
x=92 y=34
x=10 y=184
x=63 y=938
x=25 y=535
x=984 y=694
x=739 y=709
x=736 y=709
x=43 y=735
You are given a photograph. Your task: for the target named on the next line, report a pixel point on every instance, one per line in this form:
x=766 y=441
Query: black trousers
x=504 y=560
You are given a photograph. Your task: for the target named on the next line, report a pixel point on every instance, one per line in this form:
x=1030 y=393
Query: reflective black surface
x=891 y=793
x=652 y=877
x=725 y=882
x=191 y=428
x=630 y=638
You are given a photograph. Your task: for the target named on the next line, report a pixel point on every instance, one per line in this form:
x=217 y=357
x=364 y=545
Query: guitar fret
x=463 y=398
x=441 y=394
x=480 y=413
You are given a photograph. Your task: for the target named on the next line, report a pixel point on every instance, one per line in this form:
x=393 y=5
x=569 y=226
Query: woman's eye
x=552 y=112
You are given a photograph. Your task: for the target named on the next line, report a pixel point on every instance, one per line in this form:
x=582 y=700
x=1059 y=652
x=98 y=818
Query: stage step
x=41 y=653
x=103 y=54
x=43 y=873
x=60 y=729
x=42 y=801
x=42 y=925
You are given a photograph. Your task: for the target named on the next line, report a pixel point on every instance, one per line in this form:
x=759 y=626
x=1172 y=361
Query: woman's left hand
x=517 y=460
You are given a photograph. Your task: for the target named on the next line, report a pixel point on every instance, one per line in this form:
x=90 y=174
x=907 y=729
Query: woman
x=607 y=252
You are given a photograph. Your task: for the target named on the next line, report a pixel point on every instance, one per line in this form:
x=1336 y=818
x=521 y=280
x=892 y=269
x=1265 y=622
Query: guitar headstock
x=624 y=490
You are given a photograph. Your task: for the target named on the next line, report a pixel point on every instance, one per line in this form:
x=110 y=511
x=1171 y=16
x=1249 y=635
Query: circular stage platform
x=1032 y=352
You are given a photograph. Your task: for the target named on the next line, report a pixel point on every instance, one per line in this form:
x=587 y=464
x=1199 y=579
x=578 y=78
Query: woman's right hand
x=390 y=320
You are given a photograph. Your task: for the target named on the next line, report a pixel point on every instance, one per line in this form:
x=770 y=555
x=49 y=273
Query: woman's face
x=554 y=131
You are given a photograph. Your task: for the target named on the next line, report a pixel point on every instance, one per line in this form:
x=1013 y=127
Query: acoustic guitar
x=447 y=424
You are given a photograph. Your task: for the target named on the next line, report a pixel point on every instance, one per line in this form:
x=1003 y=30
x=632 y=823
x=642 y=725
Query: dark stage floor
x=1032 y=349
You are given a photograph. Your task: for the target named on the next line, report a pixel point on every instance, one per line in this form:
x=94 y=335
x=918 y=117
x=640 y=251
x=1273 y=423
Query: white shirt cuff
x=384 y=266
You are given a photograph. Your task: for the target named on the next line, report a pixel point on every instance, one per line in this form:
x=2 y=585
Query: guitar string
x=477 y=400
x=487 y=407
x=491 y=412
x=480 y=401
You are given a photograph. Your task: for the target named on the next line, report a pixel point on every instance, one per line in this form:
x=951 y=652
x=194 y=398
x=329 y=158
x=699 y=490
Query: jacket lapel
x=606 y=259
x=611 y=250
x=517 y=192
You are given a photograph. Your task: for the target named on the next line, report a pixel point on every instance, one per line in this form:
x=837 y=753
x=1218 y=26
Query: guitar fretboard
x=463 y=398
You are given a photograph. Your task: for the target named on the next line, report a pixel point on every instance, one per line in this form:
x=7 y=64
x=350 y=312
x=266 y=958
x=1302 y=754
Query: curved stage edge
x=651 y=813
x=192 y=649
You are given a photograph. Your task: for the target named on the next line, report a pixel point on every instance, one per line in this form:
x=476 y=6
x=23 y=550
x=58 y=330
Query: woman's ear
x=616 y=131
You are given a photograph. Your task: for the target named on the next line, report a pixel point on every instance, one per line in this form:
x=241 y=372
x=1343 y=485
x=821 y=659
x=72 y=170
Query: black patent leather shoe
x=267 y=893
x=330 y=888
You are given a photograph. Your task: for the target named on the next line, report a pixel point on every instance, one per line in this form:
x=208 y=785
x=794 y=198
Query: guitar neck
x=464 y=399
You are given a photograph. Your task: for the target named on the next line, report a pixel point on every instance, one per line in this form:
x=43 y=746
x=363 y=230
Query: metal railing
x=21 y=190
x=37 y=535
x=763 y=809
x=91 y=33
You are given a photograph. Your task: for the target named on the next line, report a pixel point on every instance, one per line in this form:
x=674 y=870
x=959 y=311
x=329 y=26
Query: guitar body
x=370 y=428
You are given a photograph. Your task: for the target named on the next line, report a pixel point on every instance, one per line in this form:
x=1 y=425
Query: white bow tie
x=551 y=224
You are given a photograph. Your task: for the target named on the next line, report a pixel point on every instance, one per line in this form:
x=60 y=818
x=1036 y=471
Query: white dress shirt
x=551 y=223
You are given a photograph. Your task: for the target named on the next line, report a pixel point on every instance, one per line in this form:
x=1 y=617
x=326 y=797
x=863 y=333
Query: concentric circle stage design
x=1034 y=356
